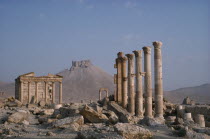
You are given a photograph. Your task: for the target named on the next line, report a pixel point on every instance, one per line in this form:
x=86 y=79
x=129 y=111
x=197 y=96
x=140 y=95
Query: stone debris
x=18 y=117
x=93 y=116
x=130 y=131
x=69 y=121
x=123 y=115
x=188 y=101
x=50 y=134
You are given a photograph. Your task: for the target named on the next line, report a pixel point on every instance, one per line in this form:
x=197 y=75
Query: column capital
x=124 y=59
x=157 y=44
x=147 y=49
x=120 y=54
x=130 y=56
x=137 y=53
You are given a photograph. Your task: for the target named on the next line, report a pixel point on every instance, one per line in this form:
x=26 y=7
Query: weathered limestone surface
x=123 y=115
x=119 y=77
x=18 y=117
x=124 y=83
x=148 y=81
x=130 y=131
x=91 y=115
x=131 y=91
x=139 y=91
x=158 y=79
x=42 y=88
x=69 y=121
x=200 y=120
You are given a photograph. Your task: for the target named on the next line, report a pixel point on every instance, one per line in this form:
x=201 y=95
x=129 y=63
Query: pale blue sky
x=44 y=36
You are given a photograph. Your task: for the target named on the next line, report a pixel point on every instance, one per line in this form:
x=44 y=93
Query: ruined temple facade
x=29 y=88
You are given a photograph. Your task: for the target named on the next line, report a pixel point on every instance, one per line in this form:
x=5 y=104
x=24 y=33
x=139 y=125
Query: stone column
x=46 y=91
x=124 y=83
x=119 y=77
x=60 y=93
x=131 y=91
x=148 y=81
x=21 y=91
x=199 y=119
x=139 y=91
x=36 y=92
x=53 y=92
x=29 y=92
x=158 y=79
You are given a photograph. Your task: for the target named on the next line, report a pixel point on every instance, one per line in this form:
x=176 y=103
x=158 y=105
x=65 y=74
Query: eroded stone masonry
x=31 y=89
x=129 y=93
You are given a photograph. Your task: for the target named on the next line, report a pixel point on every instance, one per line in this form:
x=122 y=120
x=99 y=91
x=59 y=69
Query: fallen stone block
x=14 y=103
x=123 y=115
x=130 y=131
x=18 y=117
x=91 y=115
x=75 y=121
x=153 y=122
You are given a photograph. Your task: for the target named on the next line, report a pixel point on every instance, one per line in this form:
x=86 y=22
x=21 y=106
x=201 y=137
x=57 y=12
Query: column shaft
x=148 y=81
x=124 y=83
x=36 y=92
x=60 y=93
x=139 y=91
x=29 y=92
x=158 y=79
x=46 y=91
x=53 y=92
x=119 y=77
x=131 y=91
x=21 y=91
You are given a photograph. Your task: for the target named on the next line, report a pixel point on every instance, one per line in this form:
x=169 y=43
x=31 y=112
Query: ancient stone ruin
x=29 y=88
x=125 y=81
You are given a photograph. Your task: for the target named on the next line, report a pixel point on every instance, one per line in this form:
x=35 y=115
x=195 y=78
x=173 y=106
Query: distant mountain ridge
x=201 y=94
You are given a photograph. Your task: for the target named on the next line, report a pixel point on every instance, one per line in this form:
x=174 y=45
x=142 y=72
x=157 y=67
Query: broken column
x=124 y=83
x=199 y=119
x=139 y=91
x=158 y=79
x=147 y=81
x=119 y=77
x=131 y=93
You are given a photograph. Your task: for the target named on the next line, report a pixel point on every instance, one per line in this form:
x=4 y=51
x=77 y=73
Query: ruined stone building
x=29 y=88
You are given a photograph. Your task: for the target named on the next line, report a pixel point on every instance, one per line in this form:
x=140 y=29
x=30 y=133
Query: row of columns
x=130 y=93
x=46 y=92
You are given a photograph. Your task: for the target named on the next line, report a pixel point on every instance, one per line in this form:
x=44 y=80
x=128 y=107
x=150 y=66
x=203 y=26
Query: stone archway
x=101 y=90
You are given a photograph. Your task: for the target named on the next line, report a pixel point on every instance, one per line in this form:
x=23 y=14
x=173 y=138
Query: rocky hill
x=200 y=94
x=83 y=81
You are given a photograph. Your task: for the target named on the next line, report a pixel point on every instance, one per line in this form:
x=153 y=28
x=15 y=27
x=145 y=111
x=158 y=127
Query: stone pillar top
x=130 y=56
x=124 y=59
x=157 y=44
x=137 y=52
x=147 y=49
x=120 y=54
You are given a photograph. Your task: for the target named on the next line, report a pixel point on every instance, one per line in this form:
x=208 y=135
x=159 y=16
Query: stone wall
x=199 y=109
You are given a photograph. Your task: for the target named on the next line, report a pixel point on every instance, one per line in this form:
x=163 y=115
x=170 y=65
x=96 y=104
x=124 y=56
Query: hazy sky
x=44 y=36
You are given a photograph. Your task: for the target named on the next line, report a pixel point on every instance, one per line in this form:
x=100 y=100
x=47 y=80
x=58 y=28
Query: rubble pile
x=96 y=120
